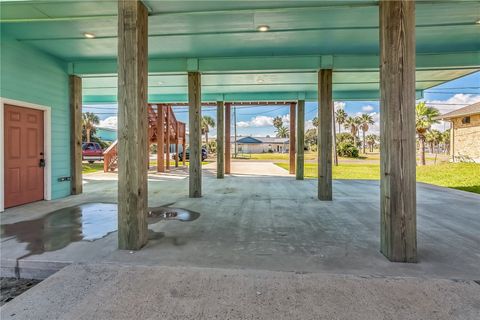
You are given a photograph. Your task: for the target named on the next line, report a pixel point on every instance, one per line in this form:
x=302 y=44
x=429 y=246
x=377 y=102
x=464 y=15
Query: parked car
x=204 y=154
x=91 y=152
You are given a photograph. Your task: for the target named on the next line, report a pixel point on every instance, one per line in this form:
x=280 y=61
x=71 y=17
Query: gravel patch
x=13 y=287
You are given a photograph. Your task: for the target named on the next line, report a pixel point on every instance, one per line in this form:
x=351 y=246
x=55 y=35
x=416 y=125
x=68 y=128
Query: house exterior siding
x=465 y=139
x=29 y=75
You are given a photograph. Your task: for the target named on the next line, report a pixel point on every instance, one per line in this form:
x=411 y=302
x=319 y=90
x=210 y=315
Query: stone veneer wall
x=466 y=138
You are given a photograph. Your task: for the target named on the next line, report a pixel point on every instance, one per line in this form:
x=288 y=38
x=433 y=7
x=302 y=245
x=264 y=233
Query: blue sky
x=257 y=120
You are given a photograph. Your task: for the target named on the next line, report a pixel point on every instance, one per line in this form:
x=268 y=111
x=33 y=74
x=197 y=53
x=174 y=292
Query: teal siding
x=30 y=75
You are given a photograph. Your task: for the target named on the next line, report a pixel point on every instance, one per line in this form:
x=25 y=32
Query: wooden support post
x=147 y=158
x=160 y=139
x=324 y=145
x=220 y=140
x=398 y=230
x=194 y=122
x=228 y=145
x=184 y=146
x=132 y=124
x=291 y=148
x=300 y=147
x=168 y=140
x=177 y=132
x=75 y=84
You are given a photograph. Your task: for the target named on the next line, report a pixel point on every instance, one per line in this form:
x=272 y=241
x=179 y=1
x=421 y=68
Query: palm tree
x=371 y=140
x=430 y=139
x=207 y=123
x=352 y=124
x=437 y=139
x=89 y=120
x=340 y=116
x=365 y=121
x=282 y=132
x=424 y=118
x=446 y=141
x=277 y=122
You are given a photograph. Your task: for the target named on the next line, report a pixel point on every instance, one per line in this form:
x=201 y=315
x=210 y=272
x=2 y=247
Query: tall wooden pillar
x=325 y=112
x=168 y=140
x=75 y=84
x=194 y=122
x=398 y=230
x=300 y=147
x=177 y=133
x=228 y=144
x=291 y=149
x=220 y=140
x=132 y=124
x=160 y=138
x=184 y=146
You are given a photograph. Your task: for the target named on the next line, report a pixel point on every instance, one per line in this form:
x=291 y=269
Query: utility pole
x=235 y=129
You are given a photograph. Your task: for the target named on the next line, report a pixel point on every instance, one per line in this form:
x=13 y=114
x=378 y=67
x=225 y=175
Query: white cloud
x=375 y=128
x=368 y=108
x=243 y=124
x=262 y=121
x=455 y=102
x=110 y=122
x=338 y=105
x=309 y=125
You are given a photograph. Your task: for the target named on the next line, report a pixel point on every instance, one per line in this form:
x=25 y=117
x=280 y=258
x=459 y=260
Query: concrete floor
x=112 y=291
x=270 y=223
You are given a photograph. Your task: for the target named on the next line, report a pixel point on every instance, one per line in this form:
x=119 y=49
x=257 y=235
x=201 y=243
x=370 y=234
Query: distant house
x=464 y=133
x=262 y=144
x=106 y=134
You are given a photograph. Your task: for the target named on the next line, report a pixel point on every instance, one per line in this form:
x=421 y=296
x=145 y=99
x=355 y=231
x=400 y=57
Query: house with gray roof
x=262 y=144
x=464 y=133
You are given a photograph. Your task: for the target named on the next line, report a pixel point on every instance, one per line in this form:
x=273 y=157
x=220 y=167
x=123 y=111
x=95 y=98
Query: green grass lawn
x=91 y=168
x=461 y=176
x=274 y=156
x=309 y=155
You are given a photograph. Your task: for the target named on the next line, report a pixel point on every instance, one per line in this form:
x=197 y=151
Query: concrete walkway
x=112 y=291
x=251 y=168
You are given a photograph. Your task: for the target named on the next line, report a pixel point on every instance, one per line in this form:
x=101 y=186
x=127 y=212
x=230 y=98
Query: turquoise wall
x=30 y=75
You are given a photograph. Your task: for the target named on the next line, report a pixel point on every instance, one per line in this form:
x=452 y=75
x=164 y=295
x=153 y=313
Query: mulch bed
x=12 y=287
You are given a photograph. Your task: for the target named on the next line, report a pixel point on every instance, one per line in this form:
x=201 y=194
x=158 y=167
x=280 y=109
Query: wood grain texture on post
x=132 y=124
x=398 y=235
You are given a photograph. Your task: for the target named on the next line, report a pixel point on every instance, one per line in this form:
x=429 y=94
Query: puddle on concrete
x=89 y=221
x=165 y=213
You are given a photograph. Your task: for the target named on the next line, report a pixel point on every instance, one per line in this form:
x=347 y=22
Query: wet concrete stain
x=87 y=222
x=166 y=213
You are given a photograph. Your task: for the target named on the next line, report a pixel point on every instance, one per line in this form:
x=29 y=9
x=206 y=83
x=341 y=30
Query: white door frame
x=47 y=134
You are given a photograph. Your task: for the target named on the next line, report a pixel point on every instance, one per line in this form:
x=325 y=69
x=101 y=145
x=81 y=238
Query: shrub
x=347 y=149
x=344 y=137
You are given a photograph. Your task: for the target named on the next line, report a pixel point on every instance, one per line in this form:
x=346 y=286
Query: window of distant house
x=465 y=120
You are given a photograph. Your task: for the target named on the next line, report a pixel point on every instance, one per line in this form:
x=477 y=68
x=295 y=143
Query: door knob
x=41 y=163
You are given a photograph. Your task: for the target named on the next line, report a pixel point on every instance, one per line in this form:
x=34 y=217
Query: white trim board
x=47 y=134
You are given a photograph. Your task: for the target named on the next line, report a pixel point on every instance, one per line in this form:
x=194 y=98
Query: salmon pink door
x=24 y=155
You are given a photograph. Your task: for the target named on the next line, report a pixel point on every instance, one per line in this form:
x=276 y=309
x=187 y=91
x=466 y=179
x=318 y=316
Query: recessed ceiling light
x=260 y=81
x=263 y=28
x=160 y=82
x=89 y=35
x=478 y=21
